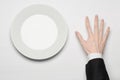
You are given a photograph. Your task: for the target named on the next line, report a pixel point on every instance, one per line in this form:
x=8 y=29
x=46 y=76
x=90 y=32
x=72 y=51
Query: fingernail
x=76 y=32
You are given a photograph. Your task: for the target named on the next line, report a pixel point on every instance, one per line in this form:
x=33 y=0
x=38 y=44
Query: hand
x=96 y=40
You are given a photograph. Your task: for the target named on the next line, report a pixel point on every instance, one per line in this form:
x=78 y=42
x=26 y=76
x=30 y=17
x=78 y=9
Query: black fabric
x=96 y=70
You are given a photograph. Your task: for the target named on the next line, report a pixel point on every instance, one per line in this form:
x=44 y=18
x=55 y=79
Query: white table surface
x=70 y=63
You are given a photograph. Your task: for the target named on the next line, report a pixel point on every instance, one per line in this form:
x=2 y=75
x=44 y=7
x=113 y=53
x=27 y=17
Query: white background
x=70 y=63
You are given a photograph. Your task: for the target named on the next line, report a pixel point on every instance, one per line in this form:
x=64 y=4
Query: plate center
x=39 y=32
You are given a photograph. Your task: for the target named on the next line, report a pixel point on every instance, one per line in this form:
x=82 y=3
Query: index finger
x=88 y=26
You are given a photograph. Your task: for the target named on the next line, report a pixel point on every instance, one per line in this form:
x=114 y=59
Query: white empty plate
x=39 y=32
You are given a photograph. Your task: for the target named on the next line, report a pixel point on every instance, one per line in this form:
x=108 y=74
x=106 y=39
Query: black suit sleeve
x=96 y=70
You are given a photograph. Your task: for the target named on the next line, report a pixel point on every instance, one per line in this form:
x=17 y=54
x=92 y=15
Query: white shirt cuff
x=94 y=55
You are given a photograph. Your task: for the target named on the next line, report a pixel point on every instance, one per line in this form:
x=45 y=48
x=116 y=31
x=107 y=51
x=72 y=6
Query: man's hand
x=96 y=40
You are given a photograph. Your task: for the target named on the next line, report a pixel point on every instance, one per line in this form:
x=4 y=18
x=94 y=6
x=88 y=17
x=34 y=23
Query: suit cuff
x=94 y=56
